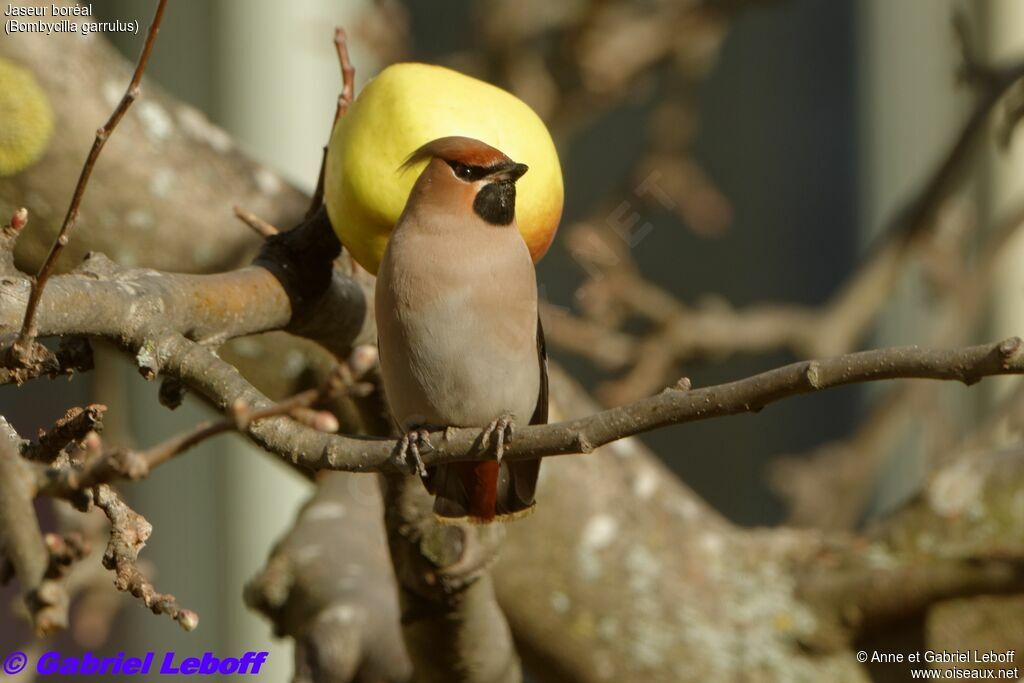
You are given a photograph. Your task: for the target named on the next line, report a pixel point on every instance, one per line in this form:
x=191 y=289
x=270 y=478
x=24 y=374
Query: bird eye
x=462 y=171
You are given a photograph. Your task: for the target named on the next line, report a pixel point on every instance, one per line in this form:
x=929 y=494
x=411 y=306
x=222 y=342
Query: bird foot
x=500 y=431
x=408 y=450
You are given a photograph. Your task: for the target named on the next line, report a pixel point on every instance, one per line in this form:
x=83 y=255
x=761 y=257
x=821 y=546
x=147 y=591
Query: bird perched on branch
x=459 y=336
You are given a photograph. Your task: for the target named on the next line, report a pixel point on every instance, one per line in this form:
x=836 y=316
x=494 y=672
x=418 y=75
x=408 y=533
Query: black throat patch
x=496 y=202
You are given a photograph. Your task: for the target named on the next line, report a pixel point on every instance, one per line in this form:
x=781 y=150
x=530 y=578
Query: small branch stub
x=1009 y=350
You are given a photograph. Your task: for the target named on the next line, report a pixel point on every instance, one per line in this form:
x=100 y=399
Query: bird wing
x=540 y=413
x=523 y=474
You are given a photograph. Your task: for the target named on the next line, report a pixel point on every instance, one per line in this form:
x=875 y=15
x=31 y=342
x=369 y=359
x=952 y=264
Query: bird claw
x=501 y=430
x=408 y=450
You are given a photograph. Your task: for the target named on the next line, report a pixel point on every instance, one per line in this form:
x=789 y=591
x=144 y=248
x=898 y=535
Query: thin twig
x=28 y=327
x=348 y=74
x=348 y=89
x=259 y=226
x=129 y=464
x=240 y=420
x=133 y=465
x=129 y=532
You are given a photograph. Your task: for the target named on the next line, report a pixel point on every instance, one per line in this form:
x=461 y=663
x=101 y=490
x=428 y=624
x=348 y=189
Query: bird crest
x=459 y=149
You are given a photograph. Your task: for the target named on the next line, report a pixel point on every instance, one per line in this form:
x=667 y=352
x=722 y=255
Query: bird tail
x=483 y=492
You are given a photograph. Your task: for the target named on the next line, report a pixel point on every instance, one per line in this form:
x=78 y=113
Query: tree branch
x=293 y=287
x=897 y=570
x=341 y=608
x=672 y=406
x=452 y=625
x=21 y=541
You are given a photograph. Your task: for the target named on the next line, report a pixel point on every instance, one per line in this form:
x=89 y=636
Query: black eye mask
x=470 y=173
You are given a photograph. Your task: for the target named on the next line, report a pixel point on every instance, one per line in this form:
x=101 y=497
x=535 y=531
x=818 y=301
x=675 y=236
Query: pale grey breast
x=457 y=322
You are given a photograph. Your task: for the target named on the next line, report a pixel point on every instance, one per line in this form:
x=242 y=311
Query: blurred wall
x=910 y=110
x=1003 y=21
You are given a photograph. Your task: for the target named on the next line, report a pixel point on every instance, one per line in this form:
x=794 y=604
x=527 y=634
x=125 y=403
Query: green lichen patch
x=26 y=118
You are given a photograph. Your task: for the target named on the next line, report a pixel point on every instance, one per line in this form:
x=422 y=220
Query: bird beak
x=517 y=171
x=513 y=172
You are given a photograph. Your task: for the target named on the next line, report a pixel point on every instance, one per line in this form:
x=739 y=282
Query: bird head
x=464 y=172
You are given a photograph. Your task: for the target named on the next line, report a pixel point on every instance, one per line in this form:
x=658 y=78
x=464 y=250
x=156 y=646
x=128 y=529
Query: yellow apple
x=408 y=105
